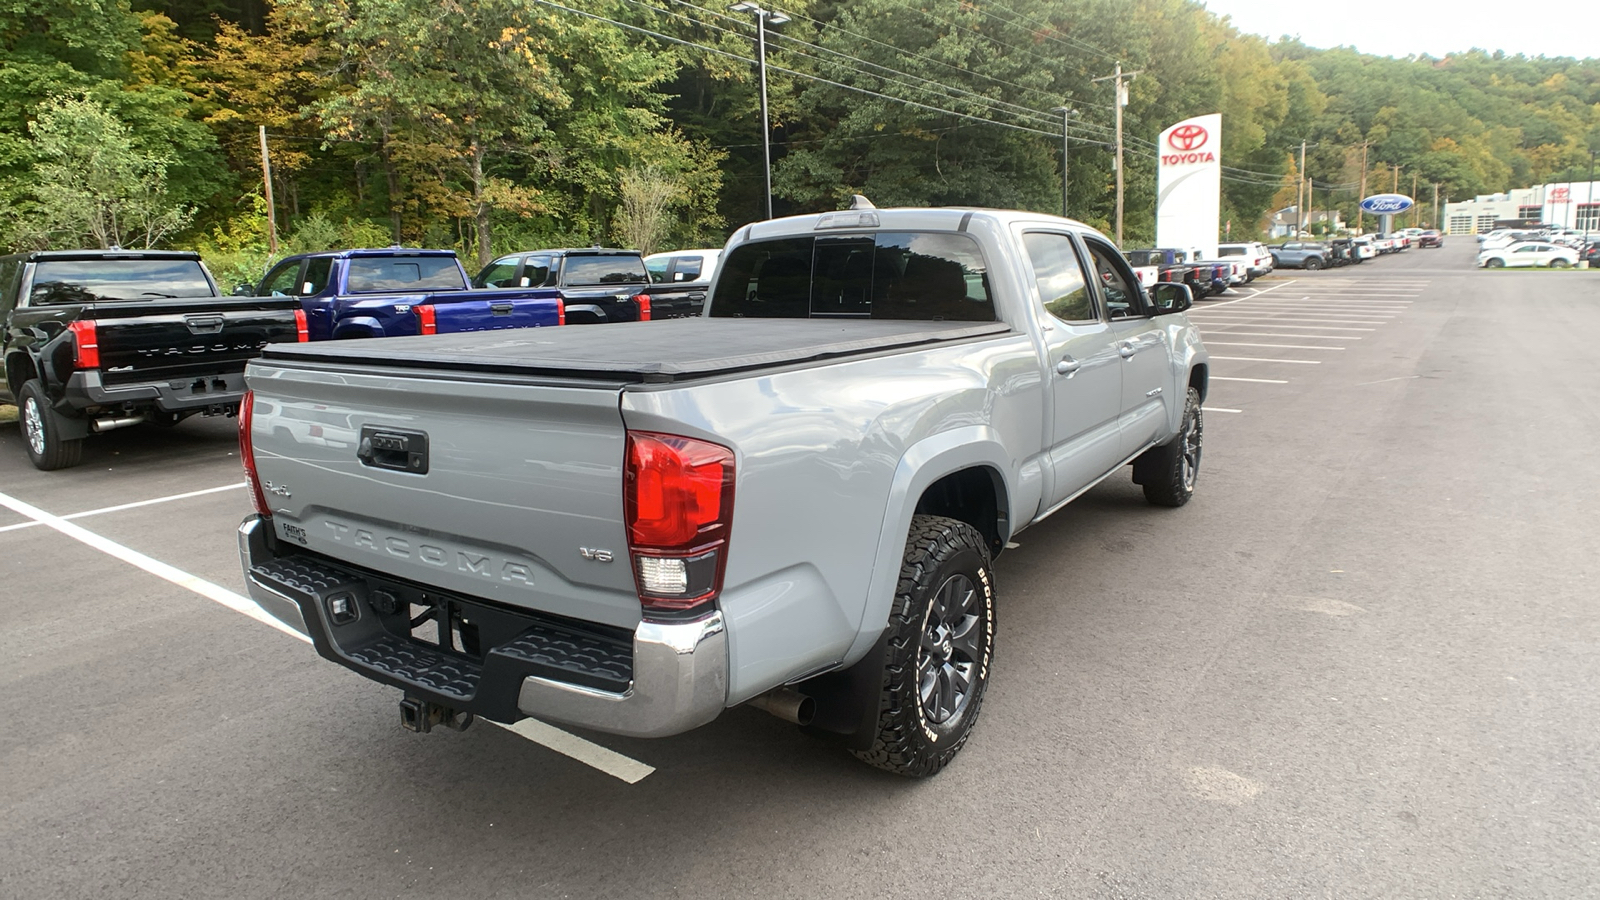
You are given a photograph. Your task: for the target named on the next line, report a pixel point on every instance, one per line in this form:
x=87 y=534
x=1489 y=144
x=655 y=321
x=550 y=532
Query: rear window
x=91 y=280
x=582 y=270
x=889 y=275
x=1230 y=251
x=376 y=274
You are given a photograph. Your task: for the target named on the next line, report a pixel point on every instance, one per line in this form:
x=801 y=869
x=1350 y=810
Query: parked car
x=682 y=265
x=1508 y=238
x=1365 y=247
x=1430 y=238
x=1171 y=268
x=1257 y=258
x=95 y=340
x=793 y=502
x=400 y=292
x=1299 y=255
x=598 y=285
x=1590 y=254
x=1341 y=253
x=1528 y=253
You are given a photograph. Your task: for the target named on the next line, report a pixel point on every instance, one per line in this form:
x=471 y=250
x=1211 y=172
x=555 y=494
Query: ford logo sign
x=1387 y=204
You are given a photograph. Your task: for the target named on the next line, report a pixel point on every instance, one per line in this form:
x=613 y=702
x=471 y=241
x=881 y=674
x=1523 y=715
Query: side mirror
x=243 y=290
x=1171 y=297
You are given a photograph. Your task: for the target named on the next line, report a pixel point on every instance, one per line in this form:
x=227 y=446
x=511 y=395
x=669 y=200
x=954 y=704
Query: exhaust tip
x=787 y=704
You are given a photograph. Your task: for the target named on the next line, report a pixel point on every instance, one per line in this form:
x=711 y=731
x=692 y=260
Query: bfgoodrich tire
x=1168 y=473
x=940 y=646
x=41 y=431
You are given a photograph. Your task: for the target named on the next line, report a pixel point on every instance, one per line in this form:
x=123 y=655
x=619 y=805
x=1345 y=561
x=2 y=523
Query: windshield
x=618 y=269
x=91 y=280
x=890 y=275
x=381 y=274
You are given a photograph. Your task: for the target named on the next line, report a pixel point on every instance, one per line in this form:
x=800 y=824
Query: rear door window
x=536 y=272
x=688 y=268
x=315 y=279
x=1058 y=275
x=926 y=276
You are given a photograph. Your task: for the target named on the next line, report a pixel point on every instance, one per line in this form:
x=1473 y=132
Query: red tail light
x=428 y=319
x=561 y=312
x=247 y=453
x=85 y=345
x=302 y=332
x=678 y=503
x=644 y=306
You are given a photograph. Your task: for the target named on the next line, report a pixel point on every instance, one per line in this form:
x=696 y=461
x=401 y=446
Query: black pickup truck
x=94 y=340
x=598 y=285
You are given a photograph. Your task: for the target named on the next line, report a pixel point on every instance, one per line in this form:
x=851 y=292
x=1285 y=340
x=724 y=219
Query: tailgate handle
x=204 y=324
x=501 y=309
x=396 y=449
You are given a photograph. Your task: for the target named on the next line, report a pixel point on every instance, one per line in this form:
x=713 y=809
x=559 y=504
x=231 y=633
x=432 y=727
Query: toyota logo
x=1187 y=137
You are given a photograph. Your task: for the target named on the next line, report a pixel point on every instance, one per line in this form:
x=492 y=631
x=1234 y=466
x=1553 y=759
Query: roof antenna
x=859 y=202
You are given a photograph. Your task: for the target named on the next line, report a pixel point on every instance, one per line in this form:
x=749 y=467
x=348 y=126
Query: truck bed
x=654 y=352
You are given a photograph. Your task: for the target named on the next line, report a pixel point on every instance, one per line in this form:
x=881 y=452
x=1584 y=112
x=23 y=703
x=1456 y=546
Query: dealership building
x=1575 y=205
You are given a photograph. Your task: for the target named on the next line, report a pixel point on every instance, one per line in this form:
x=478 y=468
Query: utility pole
x=1066 y=114
x=1413 y=199
x=1436 y=219
x=1300 y=196
x=1590 y=217
x=266 y=182
x=1121 y=100
x=1359 y=210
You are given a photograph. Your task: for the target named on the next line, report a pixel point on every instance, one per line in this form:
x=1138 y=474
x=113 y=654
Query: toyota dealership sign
x=1189 y=176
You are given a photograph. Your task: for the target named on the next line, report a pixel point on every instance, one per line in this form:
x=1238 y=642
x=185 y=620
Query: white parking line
x=1298 y=362
x=111 y=509
x=1272 y=346
x=1235 y=322
x=607 y=761
x=1229 y=331
x=1255 y=380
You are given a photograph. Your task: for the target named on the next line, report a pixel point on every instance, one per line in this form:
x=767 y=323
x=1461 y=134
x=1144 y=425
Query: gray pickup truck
x=792 y=501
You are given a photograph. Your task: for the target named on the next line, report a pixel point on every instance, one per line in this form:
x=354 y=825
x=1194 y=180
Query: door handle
x=1068 y=366
x=1126 y=350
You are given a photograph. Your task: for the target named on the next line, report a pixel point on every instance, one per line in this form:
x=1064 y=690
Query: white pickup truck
x=792 y=502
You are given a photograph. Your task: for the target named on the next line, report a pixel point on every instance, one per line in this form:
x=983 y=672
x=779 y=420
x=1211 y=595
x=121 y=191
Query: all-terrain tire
x=939 y=649
x=1168 y=472
x=1311 y=264
x=41 y=431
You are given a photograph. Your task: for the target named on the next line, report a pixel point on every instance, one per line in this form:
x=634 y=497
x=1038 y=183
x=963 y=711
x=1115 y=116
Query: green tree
x=93 y=185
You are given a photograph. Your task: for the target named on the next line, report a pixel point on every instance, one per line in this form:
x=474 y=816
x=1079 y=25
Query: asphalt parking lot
x=1363 y=662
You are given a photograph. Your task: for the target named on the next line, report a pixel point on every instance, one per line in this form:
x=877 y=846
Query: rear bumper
x=673 y=678
x=85 y=388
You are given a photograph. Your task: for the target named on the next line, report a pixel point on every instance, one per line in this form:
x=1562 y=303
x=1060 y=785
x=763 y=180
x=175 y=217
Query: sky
x=1434 y=27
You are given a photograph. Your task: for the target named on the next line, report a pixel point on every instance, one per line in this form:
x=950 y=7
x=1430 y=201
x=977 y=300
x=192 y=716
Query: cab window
x=1058 y=274
x=501 y=273
x=315 y=280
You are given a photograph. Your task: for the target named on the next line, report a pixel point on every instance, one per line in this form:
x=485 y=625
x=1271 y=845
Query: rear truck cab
x=1170 y=267
x=95 y=340
x=679 y=282
x=792 y=502
x=597 y=285
x=400 y=292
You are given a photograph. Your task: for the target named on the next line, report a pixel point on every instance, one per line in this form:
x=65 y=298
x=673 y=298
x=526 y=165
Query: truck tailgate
x=513 y=482
x=154 y=340
x=493 y=313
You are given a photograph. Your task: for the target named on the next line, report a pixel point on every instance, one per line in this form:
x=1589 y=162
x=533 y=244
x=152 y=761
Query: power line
x=708 y=49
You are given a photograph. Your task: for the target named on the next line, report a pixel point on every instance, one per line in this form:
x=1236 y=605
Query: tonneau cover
x=642 y=351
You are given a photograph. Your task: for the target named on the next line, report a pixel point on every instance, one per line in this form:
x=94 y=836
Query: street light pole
x=764 y=17
x=1066 y=115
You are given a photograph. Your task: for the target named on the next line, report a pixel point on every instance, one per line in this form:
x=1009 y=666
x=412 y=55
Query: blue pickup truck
x=397 y=291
